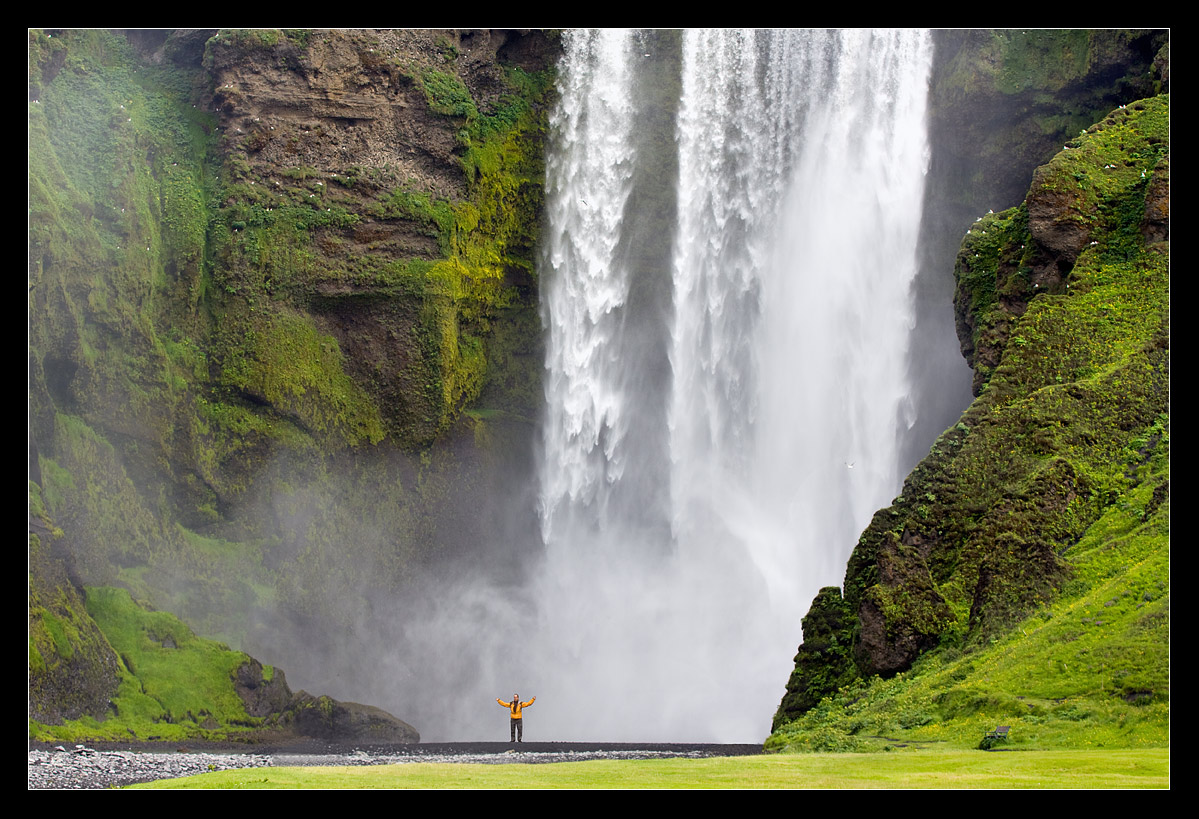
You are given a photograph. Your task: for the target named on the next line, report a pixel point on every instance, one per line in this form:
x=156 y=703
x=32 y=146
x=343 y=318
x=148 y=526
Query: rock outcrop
x=73 y=671
x=347 y=722
x=1063 y=313
x=1002 y=103
x=267 y=269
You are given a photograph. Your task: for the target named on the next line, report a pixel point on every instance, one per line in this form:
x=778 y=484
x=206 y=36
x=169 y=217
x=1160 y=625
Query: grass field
x=1148 y=768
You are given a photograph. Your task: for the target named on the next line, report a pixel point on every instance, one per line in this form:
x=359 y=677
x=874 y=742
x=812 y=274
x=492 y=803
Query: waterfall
x=726 y=275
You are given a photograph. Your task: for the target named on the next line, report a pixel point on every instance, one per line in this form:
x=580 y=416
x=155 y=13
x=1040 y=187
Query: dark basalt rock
x=262 y=697
x=320 y=717
x=328 y=719
x=824 y=661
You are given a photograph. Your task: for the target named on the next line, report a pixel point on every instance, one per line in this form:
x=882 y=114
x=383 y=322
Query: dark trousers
x=518 y=730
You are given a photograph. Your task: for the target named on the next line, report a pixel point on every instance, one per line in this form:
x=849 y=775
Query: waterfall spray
x=722 y=421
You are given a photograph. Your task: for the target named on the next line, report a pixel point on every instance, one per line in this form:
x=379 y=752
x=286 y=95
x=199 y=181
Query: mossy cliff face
x=1068 y=210
x=73 y=671
x=382 y=197
x=1064 y=303
x=270 y=273
x=1001 y=103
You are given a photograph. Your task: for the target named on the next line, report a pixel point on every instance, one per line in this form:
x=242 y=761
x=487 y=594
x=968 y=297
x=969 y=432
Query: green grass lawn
x=1149 y=768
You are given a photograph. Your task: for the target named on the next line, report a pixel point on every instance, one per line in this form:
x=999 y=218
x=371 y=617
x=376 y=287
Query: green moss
x=189 y=376
x=1089 y=670
x=37 y=665
x=824 y=662
x=437 y=216
x=1045 y=498
x=481 y=274
x=487 y=244
x=447 y=95
x=62 y=635
x=289 y=364
x=71 y=666
x=173 y=684
x=1105 y=173
x=259 y=38
x=120 y=180
x=300 y=36
x=1040 y=59
x=91 y=494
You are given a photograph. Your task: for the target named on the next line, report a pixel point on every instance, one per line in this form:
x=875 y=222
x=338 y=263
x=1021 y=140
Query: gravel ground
x=85 y=767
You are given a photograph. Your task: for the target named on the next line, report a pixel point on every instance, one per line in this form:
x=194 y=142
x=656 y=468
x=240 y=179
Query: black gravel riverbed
x=105 y=765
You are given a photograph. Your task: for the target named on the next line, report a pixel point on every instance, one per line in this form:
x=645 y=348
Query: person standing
x=514 y=708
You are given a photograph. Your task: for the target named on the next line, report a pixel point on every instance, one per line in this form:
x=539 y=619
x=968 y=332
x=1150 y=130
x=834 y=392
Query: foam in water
x=719 y=428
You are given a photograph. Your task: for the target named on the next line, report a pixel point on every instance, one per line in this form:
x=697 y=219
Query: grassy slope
x=1089 y=671
x=1080 y=391
x=1061 y=769
x=173 y=684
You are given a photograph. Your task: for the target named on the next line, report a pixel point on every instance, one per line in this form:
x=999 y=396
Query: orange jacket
x=515 y=707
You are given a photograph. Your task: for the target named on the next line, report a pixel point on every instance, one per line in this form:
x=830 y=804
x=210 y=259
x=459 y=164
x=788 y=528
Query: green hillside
x=1022 y=577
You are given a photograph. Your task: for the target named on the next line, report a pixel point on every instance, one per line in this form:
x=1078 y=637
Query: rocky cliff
x=284 y=330
x=268 y=272
x=1063 y=312
x=1001 y=103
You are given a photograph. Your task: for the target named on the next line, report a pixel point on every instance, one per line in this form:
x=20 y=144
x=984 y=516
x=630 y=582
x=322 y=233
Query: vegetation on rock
x=238 y=273
x=283 y=325
x=1021 y=576
x=172 y=684
x=72 y=668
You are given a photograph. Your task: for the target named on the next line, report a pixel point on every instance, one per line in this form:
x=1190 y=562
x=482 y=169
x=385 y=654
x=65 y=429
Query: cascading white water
x=588 y=184
x=671 y=612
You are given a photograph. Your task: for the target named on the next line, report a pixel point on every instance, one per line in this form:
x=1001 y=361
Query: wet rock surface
x=106 y=766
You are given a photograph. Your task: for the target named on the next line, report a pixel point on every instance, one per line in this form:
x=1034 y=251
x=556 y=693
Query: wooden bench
x=998 y=733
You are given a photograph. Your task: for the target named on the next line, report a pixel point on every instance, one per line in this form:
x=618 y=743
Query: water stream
x=727 y=268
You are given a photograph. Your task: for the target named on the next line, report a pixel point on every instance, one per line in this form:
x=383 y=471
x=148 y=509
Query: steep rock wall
x=1001 y=103
x=269 y=273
